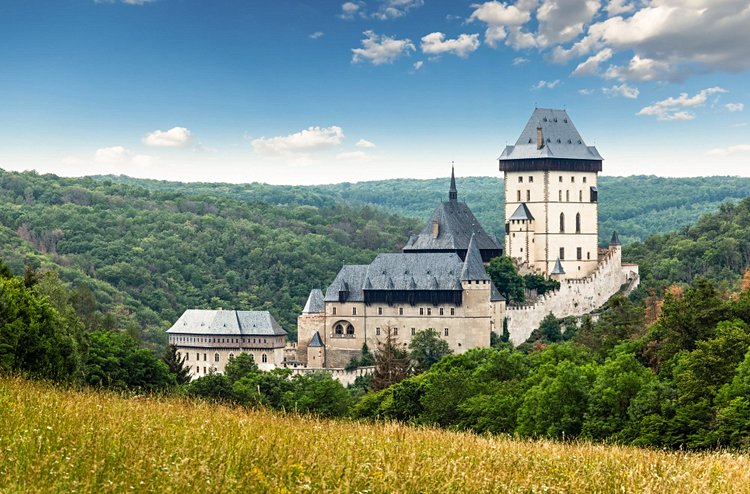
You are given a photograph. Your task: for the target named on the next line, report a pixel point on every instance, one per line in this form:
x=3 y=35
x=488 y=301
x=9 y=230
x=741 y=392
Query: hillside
x=97 y=442
x=637 y=206
x=147 y=256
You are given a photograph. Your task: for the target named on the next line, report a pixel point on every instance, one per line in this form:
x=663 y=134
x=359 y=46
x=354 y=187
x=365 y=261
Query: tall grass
x=55 y=440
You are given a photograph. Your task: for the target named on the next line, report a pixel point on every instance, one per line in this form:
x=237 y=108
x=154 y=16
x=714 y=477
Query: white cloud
x=641 y=69
x=622 y=90
x=392 y=9
x=546 y=84
x=739 y=148
x=520 y=61
x=499 y=16
x=674 y=108
x=352 y=156
x=733 y=107
x=381 y=49
x=417 y=65
x=350 y=10
x=176 y=137
x=586 y=92
x=591 y=65
x=299 y=143
x=364 y=143
x=316 y=35
x=563 y=20
x=615 y=7
x=118 y=155
x=436 y=44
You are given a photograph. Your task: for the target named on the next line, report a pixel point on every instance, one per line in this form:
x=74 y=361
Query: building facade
x=551 y=197
x=208 y=339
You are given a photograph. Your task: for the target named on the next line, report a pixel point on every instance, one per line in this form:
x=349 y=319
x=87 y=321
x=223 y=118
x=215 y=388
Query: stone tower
x=551 y=197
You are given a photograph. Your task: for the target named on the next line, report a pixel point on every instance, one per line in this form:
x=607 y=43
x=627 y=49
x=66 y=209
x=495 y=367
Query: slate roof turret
x=558 y=269
x=315 y=303
x=615 y=239
x=522 y=213
x=473 y=268
x=316 y=341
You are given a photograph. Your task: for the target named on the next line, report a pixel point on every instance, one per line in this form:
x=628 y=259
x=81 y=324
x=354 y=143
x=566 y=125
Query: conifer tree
x=176 y=364
x=391 y=362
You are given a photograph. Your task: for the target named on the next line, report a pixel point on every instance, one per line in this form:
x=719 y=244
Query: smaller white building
x=209 y=338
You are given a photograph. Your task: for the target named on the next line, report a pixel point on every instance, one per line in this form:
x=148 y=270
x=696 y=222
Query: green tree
x=317 y=393
x=549 y=330
x=392 y=363
x=620 y=320
x=176 y=364
x=427 y=348
x=240 y=366
x=541 y=284
x=504 y=274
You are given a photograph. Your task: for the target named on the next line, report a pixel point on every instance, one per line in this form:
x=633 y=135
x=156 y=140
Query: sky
x=318 y=91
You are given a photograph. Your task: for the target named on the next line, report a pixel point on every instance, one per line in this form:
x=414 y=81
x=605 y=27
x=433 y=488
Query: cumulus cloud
x=436 y=44
x=364 y=143
x=733 y=107
x=499 y=17
x=563 y=20
x=381 y=49
x=316 y=35
x=591 y=65
x=641 y=69
x=546 y=84
x=622 y=90
x=350 y=10
x=520 y=61
x=615 y=7
x=392 y=9
x=120 y=155
x=739 y=148
x=299 y=143
x=176 y=137
x=417 y=65
x=675 y=108
x=586 y=92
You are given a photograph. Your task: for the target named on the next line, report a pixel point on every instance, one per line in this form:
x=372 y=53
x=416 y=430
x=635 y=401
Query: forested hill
x=637 y=207
x=146 y=256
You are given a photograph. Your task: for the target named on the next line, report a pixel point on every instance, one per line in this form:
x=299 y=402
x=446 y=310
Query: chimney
x=539 y=138
x=435 y=228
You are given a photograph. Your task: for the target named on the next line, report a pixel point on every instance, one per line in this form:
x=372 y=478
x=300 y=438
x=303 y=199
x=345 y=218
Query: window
x=413 y=331
x=572 y=179
x=559 y=195
x=562 y=222
x=339 y=329
x=400 y=311
x=204 y=357
x=354 y=311
x=531 y=179
x=421 y=311
x=578 y=223
x=334 y=311
x=579 y=253
x=429 y=311
x=231 y=356
x=395 y=331
x=380 y=311
x=350 y=330
x=528 y=195
x=518 y=194
x=441 y=311
x=520 y=180
x=377 y=331
x=594 y=194
x=567 y=196
x=580 y=196
x=264 y=358
x=445 y=332
x=588 y=255
x=560 y=177
x=584 y=179
x=562 y=253
x=204 y=369
x=216 y=357
x=453 y=311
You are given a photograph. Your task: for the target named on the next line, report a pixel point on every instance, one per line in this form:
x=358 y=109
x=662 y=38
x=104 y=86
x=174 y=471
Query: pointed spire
x=453 y=192
x=558 y=269
x=316 y=341
x=314 y=303
x=473 y=266
x=615 y=239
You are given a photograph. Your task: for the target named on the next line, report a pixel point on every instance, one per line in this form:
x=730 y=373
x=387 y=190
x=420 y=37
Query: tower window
x=567 y=196
x=579 y=253
x=572 y=179
x=559 y=195
x=380 y=311
x=520 y=180
x=580 y=196
x=584 y=179
x=354 y=311
x=562 y=222
x=562 y=253
x=445 y=331
x=528 y=195
x=560 y=177
x=334 y=311
x=400 y=311
x=578 y=224
x=588 y=255
x=518 y=194
x=531 y=179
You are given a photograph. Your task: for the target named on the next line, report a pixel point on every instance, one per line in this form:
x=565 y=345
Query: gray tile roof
x=522 y=213
x=495 y=295
x=473 y=268
x=227 y=322
x=351 y=278
x=615 y=239
x=558 y=269
x=316 y=341
x=561 y=139
x=314 y=303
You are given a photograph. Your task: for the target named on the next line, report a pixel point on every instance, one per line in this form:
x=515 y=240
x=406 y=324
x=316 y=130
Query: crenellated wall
x=575 y=297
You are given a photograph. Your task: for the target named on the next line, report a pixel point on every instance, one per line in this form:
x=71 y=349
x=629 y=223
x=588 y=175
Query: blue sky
x=317 y=91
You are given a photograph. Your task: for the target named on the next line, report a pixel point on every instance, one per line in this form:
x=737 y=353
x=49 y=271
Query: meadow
x=54 y=439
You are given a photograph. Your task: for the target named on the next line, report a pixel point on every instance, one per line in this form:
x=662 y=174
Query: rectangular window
x=588 y=255
x=528 y=195
x=560 y=177
x=334 y=311
x=531 y=179
x=518 y=194
x=413 y=331
x=380 y=311
x=204 y=357
x=377 y=331
x=579 y=253
x=559 y=195
x=572 y=179
x=567 y=196
x=400 y=311
x=453 y=311
x=187 y=357
x=584 y=179
x=580 y=196
x=429 y=311
x=421 y=311
x=445 y=331
x=441 y=311
x=395 y=331
x=354 y=311
x=520 y=180
x=594 y=194
x=562 y=253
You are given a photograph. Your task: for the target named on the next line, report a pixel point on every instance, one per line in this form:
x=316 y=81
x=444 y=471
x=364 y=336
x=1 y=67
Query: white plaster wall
x=574 y=298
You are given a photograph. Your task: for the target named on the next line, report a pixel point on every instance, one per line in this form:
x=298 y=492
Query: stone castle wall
x=575 y=297
x=343 y=376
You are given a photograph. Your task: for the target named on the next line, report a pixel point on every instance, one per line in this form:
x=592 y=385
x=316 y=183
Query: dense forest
x=637 y=207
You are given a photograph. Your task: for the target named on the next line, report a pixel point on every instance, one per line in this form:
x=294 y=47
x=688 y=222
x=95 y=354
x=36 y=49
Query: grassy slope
x=636 y=206
x=53 y=440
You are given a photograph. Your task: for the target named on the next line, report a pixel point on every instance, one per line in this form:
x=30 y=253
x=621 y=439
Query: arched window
x=264 y=358
x=578 y=222
x=216 y=357
x=350 y=330
x=339 y=329
x=562 y=222
x=231 y=356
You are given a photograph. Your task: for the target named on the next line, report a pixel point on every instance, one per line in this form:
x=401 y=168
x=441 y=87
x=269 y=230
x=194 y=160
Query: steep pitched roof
x=351 y=279
x=473 y=268
x=558 y=269
x=414 y=271
x=495 y=295
x=560 y=139
x=315 y=302
x=316 y=341
x=615 y=239
x=227 y=322
x=522 y=213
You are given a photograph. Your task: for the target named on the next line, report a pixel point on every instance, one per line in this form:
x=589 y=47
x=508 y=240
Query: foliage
x=392 y=363
x=620 y=320
x=541 y=284
x=504 y=274
x=427 y=348
x=176 y=364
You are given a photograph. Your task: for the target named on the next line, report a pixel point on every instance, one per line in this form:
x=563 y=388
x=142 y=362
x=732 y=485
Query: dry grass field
x=56 y=440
